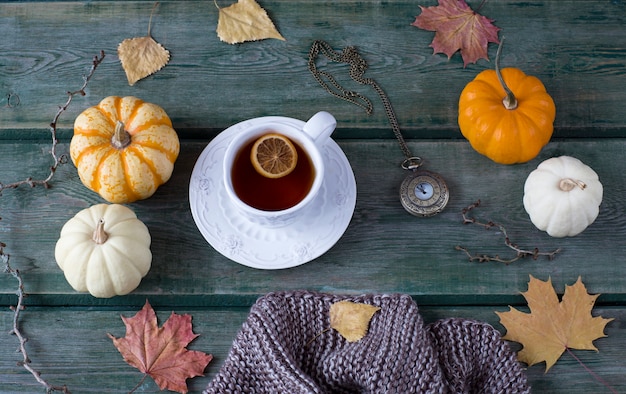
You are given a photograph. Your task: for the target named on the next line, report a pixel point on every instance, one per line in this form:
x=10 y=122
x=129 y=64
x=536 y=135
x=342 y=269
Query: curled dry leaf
x=458 y=28
x=161 y=352
x=142 y=56
x=245 y=21
x=551 y=327
x=351 y=319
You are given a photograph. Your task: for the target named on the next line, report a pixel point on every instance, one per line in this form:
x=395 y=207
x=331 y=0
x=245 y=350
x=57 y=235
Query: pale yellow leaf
x=245 y=21
x=141 y=56
x=351 y=319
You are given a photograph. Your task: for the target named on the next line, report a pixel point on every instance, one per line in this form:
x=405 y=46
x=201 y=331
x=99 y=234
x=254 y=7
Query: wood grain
x=383 y=250
x=70 y=346
x=577 y=51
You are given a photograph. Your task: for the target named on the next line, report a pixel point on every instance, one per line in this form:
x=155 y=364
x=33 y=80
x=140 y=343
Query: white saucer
x=320 y=226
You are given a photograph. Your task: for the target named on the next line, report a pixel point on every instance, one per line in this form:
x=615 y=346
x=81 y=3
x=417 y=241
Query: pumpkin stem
x=567 y=184
x=99 y=235
x=509 y=101
x=121 y=138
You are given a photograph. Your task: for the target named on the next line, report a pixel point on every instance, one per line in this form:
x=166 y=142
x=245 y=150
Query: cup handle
x=320 y=127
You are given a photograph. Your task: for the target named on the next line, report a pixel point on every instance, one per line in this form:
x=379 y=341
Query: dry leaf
x=142 y=56
x=245 y=21
x=551 y=327
x=161 y=352
x=458 y=27
x=351 y=319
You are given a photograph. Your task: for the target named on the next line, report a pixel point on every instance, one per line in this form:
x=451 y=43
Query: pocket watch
x=424 y=193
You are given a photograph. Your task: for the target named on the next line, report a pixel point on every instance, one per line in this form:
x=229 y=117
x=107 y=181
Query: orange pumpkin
x=124 y=148
x=506 y=115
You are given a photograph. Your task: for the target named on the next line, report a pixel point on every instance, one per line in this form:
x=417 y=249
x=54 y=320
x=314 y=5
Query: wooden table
x=578 y=49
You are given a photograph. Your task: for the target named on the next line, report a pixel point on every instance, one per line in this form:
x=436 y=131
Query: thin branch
x=5 y=258
x=17 y=309
x=519 y=252
x=57 y=160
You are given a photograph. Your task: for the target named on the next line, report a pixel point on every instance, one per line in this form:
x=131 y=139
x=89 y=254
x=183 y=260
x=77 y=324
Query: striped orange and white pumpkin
x=124 y=148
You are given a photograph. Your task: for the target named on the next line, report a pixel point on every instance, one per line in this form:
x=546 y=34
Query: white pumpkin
x=562 y=196
x=104 y=250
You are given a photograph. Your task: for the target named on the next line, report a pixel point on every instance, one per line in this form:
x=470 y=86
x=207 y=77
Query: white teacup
x=247 y=193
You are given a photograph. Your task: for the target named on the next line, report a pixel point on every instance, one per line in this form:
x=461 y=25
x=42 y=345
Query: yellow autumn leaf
x=245 y=21
x=551 y=327
x=142 y=56
x=351 y=319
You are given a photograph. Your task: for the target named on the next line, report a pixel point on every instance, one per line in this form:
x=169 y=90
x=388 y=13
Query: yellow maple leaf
x=551 y=327
x=142 y=56
x=351 y=319
x=245 y=21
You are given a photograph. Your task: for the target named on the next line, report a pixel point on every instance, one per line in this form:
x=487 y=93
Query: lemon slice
x=273 y=155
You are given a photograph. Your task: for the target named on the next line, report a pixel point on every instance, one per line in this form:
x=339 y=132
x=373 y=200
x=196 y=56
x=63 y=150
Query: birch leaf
x=142 y=56
x=245 y=21
x=351 y=319
x=551 y=327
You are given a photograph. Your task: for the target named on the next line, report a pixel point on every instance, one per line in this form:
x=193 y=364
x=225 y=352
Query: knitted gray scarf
x=273 y=352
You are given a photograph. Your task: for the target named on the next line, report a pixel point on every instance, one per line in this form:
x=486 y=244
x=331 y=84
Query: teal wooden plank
x=69 y=346
x=578 y=51
x=383 y=250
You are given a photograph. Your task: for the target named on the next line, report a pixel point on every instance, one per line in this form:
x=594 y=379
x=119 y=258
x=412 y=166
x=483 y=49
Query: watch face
x=424 y=193
x=424 y=190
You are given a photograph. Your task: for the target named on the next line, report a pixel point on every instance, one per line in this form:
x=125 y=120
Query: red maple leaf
x=161 y=352
x=458 y=28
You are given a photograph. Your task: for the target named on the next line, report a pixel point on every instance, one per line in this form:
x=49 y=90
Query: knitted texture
x=286 y=346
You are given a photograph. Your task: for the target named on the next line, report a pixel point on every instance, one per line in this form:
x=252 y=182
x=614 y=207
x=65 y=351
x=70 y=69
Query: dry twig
x=5 y=258
x=17 y=309
x=519 y=253
x=57 y=160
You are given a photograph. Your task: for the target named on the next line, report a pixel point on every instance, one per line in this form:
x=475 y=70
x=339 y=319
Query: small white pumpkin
x=104 y=250
x=562 y=196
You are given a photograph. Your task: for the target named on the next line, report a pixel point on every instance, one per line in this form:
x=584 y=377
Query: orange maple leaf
x=551 y=327
x=458 y=27
x=161 y=352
